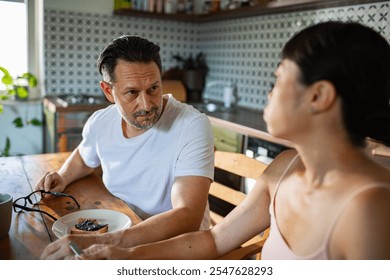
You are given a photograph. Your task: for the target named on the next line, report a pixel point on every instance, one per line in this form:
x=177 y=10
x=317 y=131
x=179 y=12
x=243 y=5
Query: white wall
x=26 y=140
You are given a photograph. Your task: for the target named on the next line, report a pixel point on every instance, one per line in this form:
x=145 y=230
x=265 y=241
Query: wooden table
x=30 y=232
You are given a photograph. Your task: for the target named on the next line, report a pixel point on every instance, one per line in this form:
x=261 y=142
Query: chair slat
x=239 y=164
x=244 y=166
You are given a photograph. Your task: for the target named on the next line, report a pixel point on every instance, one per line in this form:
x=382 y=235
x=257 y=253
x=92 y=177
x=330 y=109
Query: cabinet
x=64 y=117
x=267 y=7
x=227 y=140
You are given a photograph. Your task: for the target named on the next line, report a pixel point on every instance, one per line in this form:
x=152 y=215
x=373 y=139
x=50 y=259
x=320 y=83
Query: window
x=13 y=46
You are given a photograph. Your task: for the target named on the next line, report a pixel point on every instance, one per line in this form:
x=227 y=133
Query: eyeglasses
x=20 y=204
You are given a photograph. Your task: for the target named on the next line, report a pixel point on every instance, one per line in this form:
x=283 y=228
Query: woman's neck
x=323 y=165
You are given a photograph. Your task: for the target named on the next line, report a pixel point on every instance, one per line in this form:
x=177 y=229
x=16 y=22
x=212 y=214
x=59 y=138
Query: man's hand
x=105 y=252
x=73 y=169
x=51 y=181
x=60 y=250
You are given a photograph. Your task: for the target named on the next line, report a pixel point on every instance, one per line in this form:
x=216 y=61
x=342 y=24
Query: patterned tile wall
x=244 y=51
x=74 y=40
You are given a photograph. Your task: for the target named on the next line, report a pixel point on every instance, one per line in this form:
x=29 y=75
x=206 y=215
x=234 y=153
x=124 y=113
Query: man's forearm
x=74 y=168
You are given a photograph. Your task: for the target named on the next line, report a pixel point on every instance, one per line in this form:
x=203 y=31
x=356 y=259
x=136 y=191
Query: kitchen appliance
x=64 y=117
x=262 y=150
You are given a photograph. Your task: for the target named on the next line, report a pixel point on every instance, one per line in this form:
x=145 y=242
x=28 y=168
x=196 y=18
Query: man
x=155 y=152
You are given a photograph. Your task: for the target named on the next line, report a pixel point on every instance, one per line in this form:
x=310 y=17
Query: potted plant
x=194 y=72
x=18 y=88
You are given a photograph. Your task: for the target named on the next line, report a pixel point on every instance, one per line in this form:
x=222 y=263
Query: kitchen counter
x=244 y=121
x=64 y=117
x=74 y=103
x=251 y=123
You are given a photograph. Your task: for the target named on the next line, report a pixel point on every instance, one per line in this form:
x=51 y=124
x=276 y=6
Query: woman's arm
x=248 y=219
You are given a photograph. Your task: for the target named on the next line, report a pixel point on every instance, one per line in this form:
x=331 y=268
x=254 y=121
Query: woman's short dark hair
x=356 y=60
x=130 y=49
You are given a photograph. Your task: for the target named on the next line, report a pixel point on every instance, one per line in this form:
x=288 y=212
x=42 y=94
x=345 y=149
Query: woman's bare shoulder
x=374 y=196
x=366 y=222
x=281 y=162
x=277 y=167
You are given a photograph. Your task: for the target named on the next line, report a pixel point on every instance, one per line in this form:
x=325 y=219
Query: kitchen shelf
x=271 y=7
x=175 y=17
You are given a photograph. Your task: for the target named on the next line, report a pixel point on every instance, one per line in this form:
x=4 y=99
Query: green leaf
x=7 y=148
x=22 y=92
x=7 y=145
x=4 y=96
x=32 y=80
x=1 y=108
x=5 y=71
x=7 y=78
x=11 y=91
x=34 y=122
x=18 y=122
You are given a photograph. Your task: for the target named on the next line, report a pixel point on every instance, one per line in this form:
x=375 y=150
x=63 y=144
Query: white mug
x=5 y=213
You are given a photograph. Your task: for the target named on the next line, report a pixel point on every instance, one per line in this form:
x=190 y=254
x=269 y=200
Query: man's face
x=137 y=92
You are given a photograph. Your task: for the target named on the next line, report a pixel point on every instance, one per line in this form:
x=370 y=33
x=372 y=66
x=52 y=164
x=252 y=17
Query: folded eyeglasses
x=20 y=204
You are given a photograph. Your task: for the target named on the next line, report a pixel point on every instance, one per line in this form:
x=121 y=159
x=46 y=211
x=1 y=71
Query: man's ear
x=107 y=90
x=323 y=96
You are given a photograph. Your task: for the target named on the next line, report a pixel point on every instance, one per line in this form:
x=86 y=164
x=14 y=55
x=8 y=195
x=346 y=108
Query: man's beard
x=148 y=122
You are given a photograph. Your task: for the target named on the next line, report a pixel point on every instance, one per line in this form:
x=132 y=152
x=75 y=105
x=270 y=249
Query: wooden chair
x=379 y=152
x=176 y=88
x=245 y=167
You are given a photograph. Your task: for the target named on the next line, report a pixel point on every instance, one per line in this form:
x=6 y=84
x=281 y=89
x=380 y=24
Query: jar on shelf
x=170 y=7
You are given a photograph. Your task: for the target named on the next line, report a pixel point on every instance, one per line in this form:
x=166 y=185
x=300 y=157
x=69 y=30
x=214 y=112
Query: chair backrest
x=246 y=167
x=238 y=164
x=176 y=88
x=379 y=152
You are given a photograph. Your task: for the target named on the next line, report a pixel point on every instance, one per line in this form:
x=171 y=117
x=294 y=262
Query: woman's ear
x=323 y=96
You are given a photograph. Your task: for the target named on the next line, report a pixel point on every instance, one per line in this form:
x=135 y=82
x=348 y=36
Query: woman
x=327 y=199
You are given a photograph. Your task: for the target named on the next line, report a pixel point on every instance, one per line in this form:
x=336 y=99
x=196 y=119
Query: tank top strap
x=283 y=175
x=346 y=202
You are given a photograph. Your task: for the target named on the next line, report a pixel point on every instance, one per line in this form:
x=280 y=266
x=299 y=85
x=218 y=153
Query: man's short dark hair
x=130 y=49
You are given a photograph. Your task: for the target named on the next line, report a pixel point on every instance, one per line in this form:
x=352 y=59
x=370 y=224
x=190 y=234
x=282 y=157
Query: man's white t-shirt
x=141 y=170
